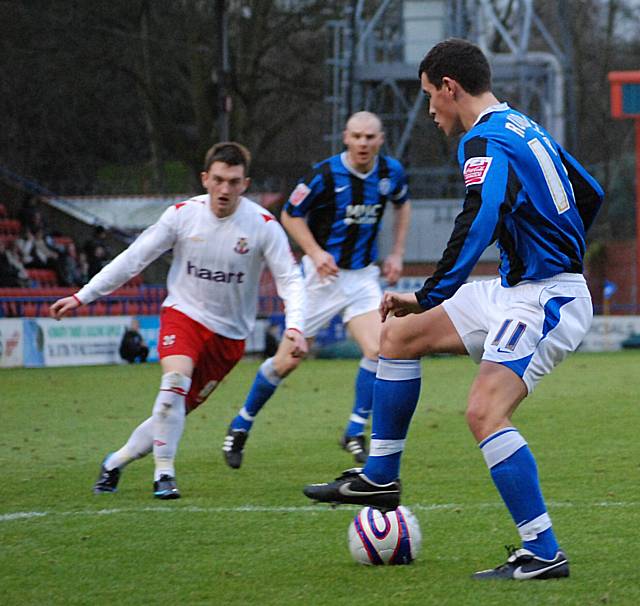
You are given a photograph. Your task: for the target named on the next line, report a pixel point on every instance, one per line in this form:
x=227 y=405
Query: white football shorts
x=529 y=327
x=352 y=292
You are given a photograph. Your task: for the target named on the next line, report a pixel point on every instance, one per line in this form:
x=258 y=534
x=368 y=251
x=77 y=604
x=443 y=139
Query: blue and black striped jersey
x=524 y=192
x=344 y=208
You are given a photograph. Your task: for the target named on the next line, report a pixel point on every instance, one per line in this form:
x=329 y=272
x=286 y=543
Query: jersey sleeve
x=485 y=170
x=587 y=191
x=150 y=244
x=400 y=194
x=304 y=195
x=286 y=273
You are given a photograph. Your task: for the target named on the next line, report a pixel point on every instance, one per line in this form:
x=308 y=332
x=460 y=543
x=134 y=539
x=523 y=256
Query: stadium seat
x=134 y=282
x=115 y=308
x=3 y=211
x=9 y=227
x=43 y=277
x=30 y=309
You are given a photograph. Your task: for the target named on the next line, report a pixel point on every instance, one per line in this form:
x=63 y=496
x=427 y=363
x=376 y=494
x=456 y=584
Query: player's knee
x=286 y=366
x=482 y=417
x=371 y=351
x=398 y=343
x=174 y=386
x=476 y=416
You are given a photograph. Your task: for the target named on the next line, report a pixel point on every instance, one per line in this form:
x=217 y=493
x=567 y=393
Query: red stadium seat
x=9 y=227
x=43 y=277
x=3 y=211
x=63 y=240
x=134 y=282
x=30 y=310
x=115 y=309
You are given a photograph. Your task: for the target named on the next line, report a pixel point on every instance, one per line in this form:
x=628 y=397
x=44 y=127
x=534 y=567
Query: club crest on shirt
x=384 y=187
x=299 y=194
x=475 y=170
x=242 y=246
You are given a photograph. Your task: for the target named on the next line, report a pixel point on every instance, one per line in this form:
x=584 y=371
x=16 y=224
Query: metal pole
x=223 y=99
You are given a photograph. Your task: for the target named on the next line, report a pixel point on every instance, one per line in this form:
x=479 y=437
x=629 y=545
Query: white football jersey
x=215 y=272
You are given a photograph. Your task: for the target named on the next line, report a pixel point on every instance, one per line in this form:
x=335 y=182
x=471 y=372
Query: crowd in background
x=38 y=247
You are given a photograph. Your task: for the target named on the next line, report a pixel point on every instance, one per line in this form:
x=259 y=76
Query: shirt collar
x=496 y=107
x=345 y=163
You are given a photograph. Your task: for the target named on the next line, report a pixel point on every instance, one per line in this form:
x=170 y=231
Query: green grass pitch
x=250 y=536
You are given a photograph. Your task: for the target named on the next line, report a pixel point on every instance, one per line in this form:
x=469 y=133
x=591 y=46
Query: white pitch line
x=29 y=515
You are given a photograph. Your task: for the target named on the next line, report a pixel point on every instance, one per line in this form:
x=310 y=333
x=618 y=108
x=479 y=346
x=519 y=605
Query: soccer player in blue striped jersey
x=528 y=195
x=335 y=214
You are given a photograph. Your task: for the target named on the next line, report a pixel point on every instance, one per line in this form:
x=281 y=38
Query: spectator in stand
x=26 y=244
x=68 y=268
x=97 y=251
x=29 y=215
x=46 y=256
x=82 y=275
x=34 y=250
x=12 y=271
x=132 y=347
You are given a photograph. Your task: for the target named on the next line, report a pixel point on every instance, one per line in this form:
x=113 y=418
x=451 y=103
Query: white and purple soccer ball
x=377 y=538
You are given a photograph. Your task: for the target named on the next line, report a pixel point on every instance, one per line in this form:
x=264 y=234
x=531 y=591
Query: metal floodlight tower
x=378 y=46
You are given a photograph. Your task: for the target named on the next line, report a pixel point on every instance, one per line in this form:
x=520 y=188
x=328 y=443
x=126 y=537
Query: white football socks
x=168 y=421
x=139 y=444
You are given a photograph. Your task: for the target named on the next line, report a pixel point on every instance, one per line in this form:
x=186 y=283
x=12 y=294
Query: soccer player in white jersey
x=335 y=214
x=220 y=241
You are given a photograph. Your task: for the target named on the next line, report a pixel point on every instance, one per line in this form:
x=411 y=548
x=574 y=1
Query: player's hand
x=399 y=304
x=325 y=264
x=63 y=306
x=297 y=340
x=392 y=268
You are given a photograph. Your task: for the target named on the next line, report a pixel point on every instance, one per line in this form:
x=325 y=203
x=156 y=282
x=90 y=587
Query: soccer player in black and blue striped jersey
x=525 y=193
x=335 y=214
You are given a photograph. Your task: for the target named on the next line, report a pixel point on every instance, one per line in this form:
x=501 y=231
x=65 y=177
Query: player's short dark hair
x=459 y=60
x=229 y=152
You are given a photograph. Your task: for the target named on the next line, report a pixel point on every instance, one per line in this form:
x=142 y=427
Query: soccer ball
x=384 y=538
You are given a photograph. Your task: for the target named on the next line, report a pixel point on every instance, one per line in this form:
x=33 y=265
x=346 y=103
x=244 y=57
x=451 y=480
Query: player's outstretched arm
x=63 y=306
x=399 y=304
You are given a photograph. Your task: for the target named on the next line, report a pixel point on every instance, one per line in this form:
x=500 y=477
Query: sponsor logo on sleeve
x=476 y=169
x=299 y=194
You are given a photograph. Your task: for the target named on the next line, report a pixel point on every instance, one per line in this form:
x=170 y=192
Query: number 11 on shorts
x=513 y=339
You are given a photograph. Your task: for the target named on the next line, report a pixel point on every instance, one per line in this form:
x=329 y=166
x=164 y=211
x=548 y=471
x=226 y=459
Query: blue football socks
x=363 y=400
x=395 y=397
x=264 y=385
x=515 y=474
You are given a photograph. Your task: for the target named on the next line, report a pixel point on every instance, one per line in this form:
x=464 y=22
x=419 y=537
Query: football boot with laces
x=355 y=488
x=233 y=447
x=523 y=565
x=356 y=446
x=107 y=481
x=165 y=488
